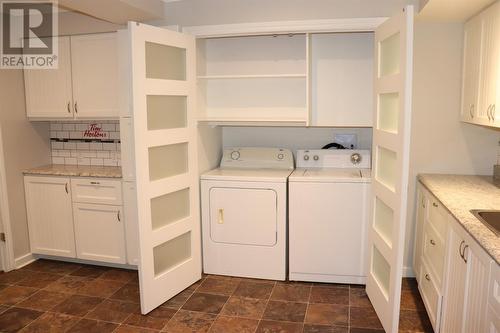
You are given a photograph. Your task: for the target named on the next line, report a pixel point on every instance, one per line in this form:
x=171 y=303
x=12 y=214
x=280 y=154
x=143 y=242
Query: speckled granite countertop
x=459 y=194
x=76 y=171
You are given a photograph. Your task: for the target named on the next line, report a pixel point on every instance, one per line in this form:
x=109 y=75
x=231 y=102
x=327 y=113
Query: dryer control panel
x=334 y=158
x=257 y=158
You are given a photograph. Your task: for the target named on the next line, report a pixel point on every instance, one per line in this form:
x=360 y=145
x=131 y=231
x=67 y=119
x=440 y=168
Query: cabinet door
x=99 y=233
x=48 y=92
x=50 y=219
x=454 y=294
x=471 y=62
x=490 y=64
x=478 y=266
x=94 y=60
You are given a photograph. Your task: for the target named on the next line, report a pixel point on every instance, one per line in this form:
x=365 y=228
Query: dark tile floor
x=51 y=296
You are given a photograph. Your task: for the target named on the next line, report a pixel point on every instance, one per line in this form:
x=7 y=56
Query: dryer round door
x=243 y=216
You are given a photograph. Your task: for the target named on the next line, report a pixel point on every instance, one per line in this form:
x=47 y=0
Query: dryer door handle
x=221 y=216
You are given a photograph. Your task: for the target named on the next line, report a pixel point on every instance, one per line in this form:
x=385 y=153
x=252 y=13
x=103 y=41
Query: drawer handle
x=427 y=277
x=460 y=249
x=118 y=216
x=69 y=110
x=434 y=204
x=463 y=256
x=66 y=188
x=95 y=183
x=221 y=216
x=432 y=242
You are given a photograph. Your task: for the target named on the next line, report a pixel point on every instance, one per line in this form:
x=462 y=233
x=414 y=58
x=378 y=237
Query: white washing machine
x=329 y=212
x=244 y=211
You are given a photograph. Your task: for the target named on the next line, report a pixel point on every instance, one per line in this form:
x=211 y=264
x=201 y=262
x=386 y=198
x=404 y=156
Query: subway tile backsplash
x=95 y=143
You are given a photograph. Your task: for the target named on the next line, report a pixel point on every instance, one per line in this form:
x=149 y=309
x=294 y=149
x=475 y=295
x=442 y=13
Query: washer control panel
x=334 y=158
x=256 y=157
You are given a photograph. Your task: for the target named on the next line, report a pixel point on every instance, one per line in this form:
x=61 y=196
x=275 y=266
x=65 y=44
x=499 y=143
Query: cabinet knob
x=427 y=277
x=464 y=257
x=493 y=112
x=76 y=107
x=68 y=107
x=488 y=112
x=434 y=204
x=471 y=111
x=432 y=242
x=118 y=216
x=66 y=188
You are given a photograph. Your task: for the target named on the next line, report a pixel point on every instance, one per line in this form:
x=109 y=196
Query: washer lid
x=326 y=175
x=248 y=175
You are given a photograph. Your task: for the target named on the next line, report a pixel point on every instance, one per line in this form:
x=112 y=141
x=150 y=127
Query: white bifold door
x=162 y=156
x=391 y=143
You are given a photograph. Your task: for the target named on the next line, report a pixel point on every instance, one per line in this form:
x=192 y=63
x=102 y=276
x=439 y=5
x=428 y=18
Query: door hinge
x=2 y=236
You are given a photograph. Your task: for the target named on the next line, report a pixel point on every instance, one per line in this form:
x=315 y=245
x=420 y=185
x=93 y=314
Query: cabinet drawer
x=437 y=216
x=430 y=296
x=494 y=287
x=96 y=190
x=434 y=252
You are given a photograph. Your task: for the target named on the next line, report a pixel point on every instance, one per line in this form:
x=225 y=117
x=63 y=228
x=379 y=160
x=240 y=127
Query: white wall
x=290 y=137
x=25 y=145
x=440 y=143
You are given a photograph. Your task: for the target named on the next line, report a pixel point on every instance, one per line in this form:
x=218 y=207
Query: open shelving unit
x=305 y=79
x=253 y=80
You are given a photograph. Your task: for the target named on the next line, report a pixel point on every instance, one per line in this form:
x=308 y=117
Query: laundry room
x=259 y=166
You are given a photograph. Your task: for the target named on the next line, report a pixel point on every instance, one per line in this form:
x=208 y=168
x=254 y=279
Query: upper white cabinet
x=48 y=92
x=470 y=75
x=481 y=64
x=95 y=75
x=290 y=79
x=85 y=86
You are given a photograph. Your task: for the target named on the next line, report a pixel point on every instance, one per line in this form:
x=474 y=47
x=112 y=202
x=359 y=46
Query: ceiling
x=451 y=10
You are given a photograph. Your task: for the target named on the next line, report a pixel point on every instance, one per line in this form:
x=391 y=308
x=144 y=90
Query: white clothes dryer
x=244 y=213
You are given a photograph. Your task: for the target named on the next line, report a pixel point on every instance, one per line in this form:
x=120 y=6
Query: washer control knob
x=235 y=155
x=280 y=156
x=316 y=157
x=356 y=158
x=306 y=157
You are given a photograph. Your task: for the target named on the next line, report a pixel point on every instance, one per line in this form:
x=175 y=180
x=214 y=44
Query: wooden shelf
x=234 y=121
x=258 y=76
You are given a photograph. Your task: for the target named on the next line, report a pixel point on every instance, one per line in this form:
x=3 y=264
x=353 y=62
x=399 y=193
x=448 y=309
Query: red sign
x=94 y=131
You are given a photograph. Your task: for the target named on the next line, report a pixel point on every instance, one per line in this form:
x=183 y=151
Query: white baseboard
x=24 y=260
x=408 y=271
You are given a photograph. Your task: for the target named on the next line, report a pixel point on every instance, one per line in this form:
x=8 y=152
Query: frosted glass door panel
x=172 y=253
x=168 y=161
x=389 y=55
x=388 y=109
x=256 y=55
x=165 y=112
x=384 y=216
x=165 y=62
x=381 y=270
x=386 y=167
x=169 y=208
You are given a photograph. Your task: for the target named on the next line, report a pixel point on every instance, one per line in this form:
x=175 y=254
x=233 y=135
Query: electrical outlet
x=349 y=141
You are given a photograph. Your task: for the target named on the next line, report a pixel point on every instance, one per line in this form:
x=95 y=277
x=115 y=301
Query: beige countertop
x=459 y=194
x=76 y=171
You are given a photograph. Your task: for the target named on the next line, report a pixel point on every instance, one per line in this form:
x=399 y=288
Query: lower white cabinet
x=79 y=217
x=99 y=233
x=50 y=215
x=464 y=295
